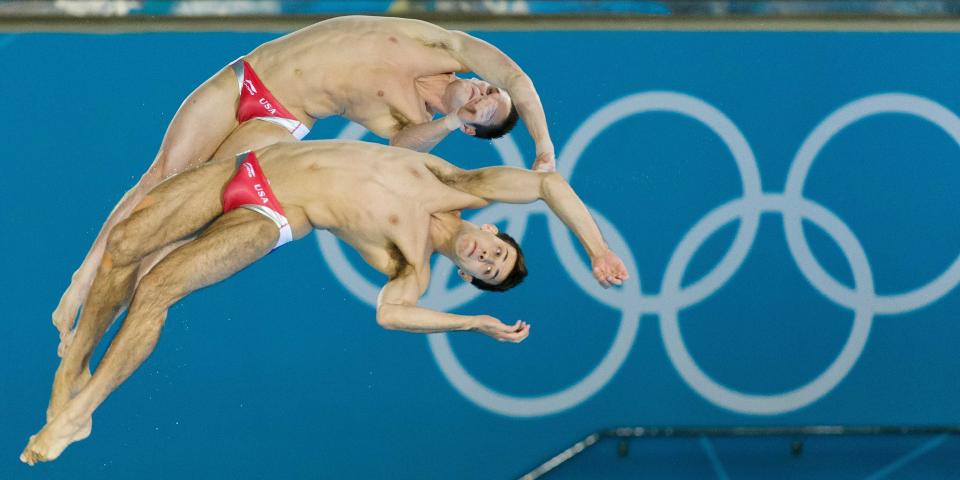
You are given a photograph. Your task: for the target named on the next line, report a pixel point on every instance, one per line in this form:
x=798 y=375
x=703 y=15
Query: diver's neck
x=431 y=89
x=444 y=229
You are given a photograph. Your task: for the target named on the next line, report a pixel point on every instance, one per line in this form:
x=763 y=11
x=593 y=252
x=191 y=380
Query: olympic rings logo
x=862 y=299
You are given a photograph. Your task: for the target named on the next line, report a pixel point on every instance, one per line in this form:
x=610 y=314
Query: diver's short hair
x=516 y=275
x=489 y=132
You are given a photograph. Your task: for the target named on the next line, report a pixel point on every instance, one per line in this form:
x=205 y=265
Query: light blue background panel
x=786 y=204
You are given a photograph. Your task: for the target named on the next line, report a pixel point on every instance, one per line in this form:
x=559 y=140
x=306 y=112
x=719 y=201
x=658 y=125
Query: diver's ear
x=465 y=276
x=490 y=228
x=468 y=129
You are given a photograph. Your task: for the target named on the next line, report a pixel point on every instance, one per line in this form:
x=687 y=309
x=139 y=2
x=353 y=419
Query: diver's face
x=482 y=103
x=481 y=254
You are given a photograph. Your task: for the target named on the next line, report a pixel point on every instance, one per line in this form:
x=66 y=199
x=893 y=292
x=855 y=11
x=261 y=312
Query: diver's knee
x=157 y=290
x=150 y=302
x=123 y=245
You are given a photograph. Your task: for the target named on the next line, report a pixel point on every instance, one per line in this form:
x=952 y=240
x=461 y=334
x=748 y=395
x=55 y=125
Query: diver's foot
x=51 y=441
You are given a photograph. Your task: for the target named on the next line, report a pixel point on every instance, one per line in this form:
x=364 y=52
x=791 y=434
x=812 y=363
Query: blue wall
x=774 y=281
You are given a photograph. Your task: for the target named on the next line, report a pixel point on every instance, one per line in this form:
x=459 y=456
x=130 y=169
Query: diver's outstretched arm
x=397 y=310
x=515 y=185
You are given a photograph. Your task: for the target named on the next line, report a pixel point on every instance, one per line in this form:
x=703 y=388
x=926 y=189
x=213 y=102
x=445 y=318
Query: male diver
x=391 y=75
x=396 y=207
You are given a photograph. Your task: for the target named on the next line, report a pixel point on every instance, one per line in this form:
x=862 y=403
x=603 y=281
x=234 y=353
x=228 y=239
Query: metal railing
x=625 y=433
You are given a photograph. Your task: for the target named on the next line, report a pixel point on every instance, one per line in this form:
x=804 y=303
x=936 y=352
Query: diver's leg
x=203 y=121
x=175 y=209
x=234 y=241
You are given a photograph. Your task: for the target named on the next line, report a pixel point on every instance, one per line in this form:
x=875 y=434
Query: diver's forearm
x=421 y=320
x=530 y=109
x=423 y=137
x=565 y=203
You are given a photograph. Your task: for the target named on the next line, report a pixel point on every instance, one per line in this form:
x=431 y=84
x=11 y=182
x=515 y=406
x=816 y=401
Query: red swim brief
x=256 y=102
x=250 y=189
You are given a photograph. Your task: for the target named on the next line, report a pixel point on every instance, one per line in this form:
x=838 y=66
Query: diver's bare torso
x=378 y=199
x=388 y=74
x=363 y=68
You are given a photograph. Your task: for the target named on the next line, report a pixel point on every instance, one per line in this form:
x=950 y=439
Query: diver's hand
x=545 y=162
x=609 y=270
x=498 y=330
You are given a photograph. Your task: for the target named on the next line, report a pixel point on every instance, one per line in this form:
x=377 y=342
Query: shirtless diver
x=396 y=207
x=391 y=75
